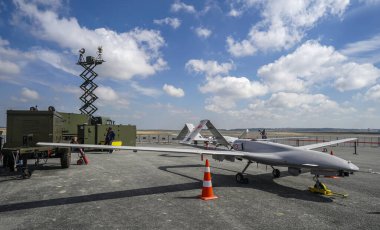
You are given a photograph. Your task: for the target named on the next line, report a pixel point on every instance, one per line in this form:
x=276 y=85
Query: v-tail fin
x=194 y=135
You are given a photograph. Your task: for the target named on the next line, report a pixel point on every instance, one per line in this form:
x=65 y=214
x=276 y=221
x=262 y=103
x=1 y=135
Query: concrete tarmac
x=147 y=190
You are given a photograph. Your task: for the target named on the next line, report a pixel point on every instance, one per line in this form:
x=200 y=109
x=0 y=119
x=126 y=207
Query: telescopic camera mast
x=88 y=75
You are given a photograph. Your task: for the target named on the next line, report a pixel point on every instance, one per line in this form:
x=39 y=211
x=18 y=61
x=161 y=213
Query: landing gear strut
x=240 y=177
x=276 y=173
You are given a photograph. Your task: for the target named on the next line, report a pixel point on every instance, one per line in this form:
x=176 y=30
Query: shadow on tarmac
x=99 y=197
x=263 y=182
x=6 y=175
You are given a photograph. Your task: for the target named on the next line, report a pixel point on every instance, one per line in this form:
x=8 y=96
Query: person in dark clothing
x=110 y=136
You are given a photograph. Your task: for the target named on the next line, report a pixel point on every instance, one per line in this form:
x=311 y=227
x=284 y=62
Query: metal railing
x=363 y=141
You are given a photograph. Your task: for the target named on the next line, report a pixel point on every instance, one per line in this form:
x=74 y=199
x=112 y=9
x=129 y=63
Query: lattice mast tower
x=88 y=75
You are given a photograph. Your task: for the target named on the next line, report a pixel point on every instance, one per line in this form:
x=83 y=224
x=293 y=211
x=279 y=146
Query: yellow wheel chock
x=321 y=188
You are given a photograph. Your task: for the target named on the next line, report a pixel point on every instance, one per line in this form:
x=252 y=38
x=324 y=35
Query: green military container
x=102 y=121
x=86 y=134
x=71 y=122
x=27 y=127
x=96 y=134
x=126 y=134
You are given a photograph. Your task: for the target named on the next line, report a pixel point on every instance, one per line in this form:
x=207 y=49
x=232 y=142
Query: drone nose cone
x=353 y=167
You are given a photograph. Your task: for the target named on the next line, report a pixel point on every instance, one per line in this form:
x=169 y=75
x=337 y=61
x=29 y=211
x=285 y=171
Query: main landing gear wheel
x=241 y=179
x=276 y=173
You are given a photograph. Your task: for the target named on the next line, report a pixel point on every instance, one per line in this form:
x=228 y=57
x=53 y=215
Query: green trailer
x=27 y=127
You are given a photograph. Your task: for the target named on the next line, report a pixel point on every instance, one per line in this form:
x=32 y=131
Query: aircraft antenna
x=88 y=75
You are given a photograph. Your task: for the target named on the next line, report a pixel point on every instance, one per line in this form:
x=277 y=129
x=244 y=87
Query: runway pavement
x=147 y=190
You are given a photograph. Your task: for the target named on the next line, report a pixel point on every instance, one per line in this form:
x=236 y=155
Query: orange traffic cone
x=331 y=152
x=207 y=193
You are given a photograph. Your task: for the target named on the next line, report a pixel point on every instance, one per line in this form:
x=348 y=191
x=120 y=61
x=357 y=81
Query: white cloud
x=210 y=68
x=18 y=67
x=52 y=4
x=109 y=96
x=294 y=110
x=229 y=88
x=234 y=87
x=69 y=89
x=173 y=22
x=171 y=108
x=356 y=76
x=11 y=60
x=10 y=54
x=106 y=93
x=362 y=46
x=180 y=6
x=234 y=13
x=365 y=50
x=151 y=92
x=219 y=104
x=303 y=107
x=313 y=65
x=58 y=60
x=289 y=109
x=203 y=32
x=3 y=42
x=284 y=23
x=304 y=102
x=370 y=2
x=373 y=93
x=133 y=53
x=7 y=67
x=240 y=49
x=173 y=91
x=28 y=94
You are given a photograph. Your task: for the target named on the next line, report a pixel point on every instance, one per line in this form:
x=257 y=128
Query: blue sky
x=243 y=63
